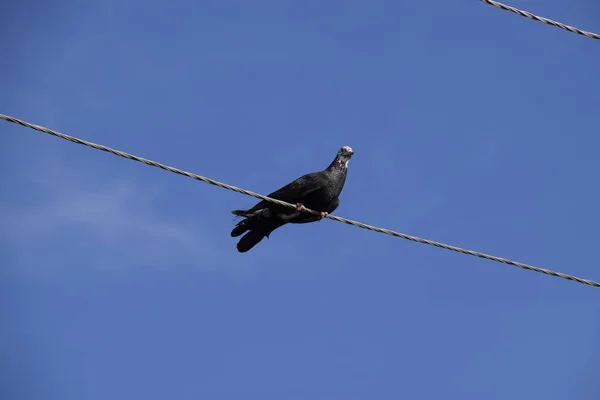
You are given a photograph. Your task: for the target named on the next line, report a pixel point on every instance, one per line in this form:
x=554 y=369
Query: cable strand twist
x=547 y=21
x=285 y=204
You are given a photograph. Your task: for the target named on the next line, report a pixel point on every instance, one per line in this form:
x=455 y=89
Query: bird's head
x=343 y=156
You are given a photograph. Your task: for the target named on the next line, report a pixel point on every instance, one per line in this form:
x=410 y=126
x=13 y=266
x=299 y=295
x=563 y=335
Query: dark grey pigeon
x=318 y=191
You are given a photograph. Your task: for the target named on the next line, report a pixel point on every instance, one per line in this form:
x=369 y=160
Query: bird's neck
x=338 y=165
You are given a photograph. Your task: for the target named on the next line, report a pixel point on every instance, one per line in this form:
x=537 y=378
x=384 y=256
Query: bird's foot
x=323 y=215
x=300 y=207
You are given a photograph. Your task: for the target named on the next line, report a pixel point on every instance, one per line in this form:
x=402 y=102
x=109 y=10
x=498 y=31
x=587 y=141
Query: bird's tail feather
x=245 y=213
x=238 y=230
x=249 y=240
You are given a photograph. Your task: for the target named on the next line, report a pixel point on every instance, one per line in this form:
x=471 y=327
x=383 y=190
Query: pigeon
x=318 y=191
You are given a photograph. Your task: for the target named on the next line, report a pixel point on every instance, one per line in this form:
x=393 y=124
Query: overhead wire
x=547 y=21
x=285 y=204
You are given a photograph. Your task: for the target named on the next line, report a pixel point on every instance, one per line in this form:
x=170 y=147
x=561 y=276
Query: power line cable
x=282 y=203
x=548 y=21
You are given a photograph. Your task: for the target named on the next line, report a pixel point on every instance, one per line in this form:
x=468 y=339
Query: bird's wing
x=294 y=192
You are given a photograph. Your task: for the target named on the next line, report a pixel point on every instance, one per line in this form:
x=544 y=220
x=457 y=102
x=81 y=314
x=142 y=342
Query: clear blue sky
x=471 y=126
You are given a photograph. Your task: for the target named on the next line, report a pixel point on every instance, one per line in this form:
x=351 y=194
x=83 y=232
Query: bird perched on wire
x=318 y=191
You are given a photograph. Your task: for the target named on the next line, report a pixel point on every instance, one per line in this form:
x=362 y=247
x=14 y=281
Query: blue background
x=470 y=125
